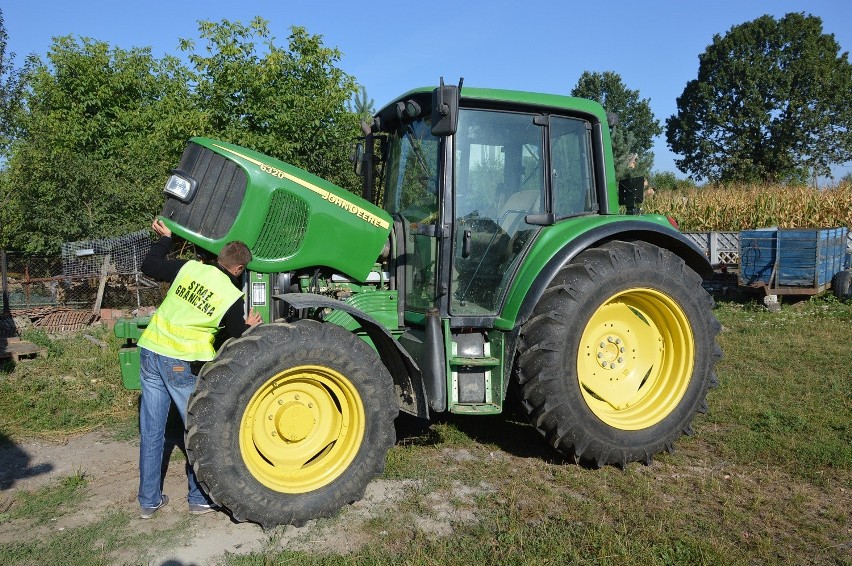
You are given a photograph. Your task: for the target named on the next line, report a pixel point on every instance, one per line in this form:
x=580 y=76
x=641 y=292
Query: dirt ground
x=111 y=472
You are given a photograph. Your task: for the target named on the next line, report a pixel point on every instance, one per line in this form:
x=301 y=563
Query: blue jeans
x=163 y=380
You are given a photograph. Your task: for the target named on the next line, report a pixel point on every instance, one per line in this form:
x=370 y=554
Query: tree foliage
x=362 y=105
x=668 y=181
x=633 y=136
x=771 y=103
x=12 y=87
x=101 y=126
x=289 y=103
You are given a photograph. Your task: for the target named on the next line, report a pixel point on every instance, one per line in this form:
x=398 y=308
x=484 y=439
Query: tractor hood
x=289 y=218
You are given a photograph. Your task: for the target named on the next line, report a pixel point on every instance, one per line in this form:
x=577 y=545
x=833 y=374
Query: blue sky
x=391 y=46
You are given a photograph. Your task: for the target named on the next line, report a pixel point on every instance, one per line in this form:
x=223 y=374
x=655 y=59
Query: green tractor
x=487 y=253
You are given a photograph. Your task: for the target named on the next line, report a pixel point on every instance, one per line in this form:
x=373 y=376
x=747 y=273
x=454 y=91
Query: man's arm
x=155 y=263
x=233 y=322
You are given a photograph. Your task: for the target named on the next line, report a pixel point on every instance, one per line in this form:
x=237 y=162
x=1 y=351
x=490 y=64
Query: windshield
x=411 y=193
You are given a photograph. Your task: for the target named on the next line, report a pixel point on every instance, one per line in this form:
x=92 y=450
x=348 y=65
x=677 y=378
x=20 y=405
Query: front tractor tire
x=619 y=354
x=290 y=422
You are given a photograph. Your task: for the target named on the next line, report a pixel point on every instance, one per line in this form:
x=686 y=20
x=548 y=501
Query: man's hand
x=253 y=318
x=161 y=228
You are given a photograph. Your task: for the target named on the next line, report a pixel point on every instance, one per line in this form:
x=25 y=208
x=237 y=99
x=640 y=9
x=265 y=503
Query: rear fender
x=629 y=231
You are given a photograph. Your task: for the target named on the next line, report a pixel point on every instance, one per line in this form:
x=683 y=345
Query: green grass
x=785 y=398
x=94 y=544
x=765 y=479
x=48 y=502
x=75 y=389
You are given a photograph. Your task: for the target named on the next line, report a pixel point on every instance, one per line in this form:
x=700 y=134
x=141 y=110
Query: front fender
x=402 y=367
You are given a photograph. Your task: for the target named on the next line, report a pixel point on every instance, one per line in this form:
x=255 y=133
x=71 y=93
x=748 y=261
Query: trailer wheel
x=842 y=284
x=290 y=422
x=619 y=353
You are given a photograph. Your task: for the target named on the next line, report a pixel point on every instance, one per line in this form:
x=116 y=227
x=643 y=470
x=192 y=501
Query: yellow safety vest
x=185 y=325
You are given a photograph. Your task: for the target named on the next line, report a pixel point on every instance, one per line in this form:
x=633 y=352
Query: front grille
x=284 y=227
x=221 y=189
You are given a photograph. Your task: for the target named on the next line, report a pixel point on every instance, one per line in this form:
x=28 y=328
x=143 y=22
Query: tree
x=362 y=105
x=289 y=103
x=12 y=88
x=633 y=136
x=771 y=103
x=102 y=127
x=668 y=181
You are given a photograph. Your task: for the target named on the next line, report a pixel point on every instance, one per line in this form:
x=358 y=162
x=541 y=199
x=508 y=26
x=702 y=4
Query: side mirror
x=445 y=109
x=358 y=159
x=631 y=193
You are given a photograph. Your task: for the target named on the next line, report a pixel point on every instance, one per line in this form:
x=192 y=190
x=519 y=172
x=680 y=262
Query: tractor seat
x=516 y=207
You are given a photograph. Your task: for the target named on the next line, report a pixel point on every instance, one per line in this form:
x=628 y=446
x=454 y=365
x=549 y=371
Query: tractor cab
x=469 y=201
x=472 y=181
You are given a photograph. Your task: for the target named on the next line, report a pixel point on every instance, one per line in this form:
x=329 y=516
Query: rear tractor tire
x=290 y=422
x=619 y=354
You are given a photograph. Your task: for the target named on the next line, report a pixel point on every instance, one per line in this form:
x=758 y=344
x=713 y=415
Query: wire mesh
x=125 y=253
x=85 y=275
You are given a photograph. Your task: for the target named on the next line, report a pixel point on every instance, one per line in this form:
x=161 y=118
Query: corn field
x=734 y=208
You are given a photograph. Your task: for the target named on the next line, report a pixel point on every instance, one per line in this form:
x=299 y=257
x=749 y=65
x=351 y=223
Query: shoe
x=202 y=508
x=148 y=512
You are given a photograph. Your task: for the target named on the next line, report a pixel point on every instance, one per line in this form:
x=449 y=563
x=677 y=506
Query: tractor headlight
x=181 y=186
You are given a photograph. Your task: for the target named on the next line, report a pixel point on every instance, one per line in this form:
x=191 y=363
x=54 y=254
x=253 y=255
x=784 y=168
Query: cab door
x=499 y=178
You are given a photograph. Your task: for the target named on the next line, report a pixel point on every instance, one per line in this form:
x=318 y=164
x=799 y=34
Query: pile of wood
x=53 y=320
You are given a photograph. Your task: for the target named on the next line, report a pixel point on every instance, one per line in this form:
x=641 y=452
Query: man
x=176 y=343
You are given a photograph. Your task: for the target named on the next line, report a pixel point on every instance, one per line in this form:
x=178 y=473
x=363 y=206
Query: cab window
x=499 y=180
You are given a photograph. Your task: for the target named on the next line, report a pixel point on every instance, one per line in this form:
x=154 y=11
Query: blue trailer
x=791 y=261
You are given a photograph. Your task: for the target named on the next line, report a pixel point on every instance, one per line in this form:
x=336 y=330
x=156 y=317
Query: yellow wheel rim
x=302 y=429
x=636 y=359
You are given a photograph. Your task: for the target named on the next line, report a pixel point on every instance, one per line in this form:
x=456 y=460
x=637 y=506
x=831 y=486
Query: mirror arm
x=367 y=167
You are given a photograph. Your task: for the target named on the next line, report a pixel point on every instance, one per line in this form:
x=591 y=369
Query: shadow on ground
x=15 y=464
x=509 y=431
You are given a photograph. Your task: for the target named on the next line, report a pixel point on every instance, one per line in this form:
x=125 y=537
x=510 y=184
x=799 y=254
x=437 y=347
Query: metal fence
x=74 y=288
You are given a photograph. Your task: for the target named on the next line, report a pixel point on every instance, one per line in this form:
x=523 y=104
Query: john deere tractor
x=491 y=252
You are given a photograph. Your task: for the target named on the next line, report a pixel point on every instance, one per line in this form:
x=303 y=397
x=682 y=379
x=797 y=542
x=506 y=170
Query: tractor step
x=476 y=409
x=474 y=361
x=472 y=365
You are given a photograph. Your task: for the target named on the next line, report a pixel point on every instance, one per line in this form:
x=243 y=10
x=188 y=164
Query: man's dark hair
x=234 y=254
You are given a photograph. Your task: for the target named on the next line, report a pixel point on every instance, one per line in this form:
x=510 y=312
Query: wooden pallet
x=18 y=349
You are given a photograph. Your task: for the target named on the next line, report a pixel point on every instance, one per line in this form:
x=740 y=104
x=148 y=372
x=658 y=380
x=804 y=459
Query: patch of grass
x=784 y=397
x=110 y=540
x=537 y=512
x=50 y=501
x=75 y=389
x=765 y=479
x=41 y=338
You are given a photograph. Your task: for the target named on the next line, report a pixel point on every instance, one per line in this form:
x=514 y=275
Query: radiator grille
x=221 y=189
x=284 y=227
